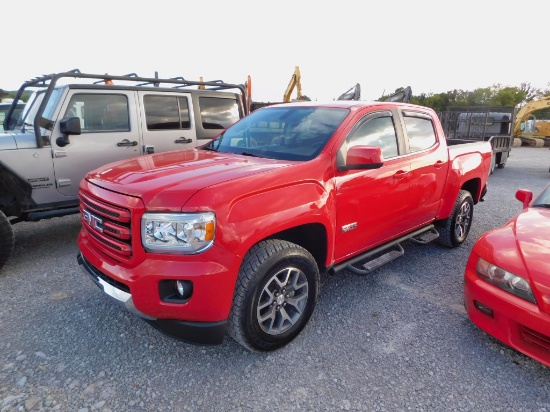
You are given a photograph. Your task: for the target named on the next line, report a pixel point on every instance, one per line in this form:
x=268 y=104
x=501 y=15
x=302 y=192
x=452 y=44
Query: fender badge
x=351 y=226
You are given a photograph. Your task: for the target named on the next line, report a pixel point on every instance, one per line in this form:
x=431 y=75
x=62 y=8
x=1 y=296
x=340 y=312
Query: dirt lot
x=398 y=339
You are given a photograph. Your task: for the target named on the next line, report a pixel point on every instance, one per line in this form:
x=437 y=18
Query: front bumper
x=512 y=320
x=197 y=332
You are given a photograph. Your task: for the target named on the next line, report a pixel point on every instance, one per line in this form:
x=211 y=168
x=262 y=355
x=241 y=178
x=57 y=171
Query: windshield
x=282 y=133
x=544 y=198
x=29 y=112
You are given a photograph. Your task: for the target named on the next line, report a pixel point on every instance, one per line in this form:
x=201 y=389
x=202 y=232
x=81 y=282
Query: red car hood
x=532 y=231
x=183 y=172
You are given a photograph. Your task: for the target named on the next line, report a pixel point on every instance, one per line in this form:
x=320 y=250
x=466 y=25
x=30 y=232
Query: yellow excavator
x=524 y=117
x=295 y=83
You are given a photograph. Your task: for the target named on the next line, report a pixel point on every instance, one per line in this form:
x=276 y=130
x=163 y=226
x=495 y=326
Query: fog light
x=175 y=291
x=184 y=288
x=180 y=287
x=482 y=308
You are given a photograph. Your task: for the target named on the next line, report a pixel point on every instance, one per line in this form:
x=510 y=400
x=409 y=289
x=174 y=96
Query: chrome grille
x=108 y=225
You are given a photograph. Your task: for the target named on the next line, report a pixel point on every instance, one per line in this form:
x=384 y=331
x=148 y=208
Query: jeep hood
x=164 y=178
x=11 y=140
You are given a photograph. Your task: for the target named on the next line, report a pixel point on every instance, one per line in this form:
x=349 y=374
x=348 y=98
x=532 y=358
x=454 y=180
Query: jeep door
x=370 y=203
x=167 y=121
x=108 y=120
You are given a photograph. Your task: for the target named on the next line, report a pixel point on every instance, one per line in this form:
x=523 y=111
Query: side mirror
x=525 y=197
x=70 y=126
x=363 y=157
x=67 y=127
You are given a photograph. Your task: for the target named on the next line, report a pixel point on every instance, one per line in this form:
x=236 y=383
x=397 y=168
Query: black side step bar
x=426 y=237
x=365 y=256
x=374 y=264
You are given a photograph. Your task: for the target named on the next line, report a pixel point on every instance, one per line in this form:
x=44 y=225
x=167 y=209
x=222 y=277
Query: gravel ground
x=398 y=339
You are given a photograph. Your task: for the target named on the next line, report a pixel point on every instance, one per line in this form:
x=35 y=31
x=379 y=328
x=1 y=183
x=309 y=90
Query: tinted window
x=166 y=112
x=377 y=132
x=100 y=112
x=285 y=133
x=218 y=113
x=421 y=133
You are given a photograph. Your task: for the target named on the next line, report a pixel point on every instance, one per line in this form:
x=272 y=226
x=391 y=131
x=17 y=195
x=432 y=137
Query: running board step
x=379 y=261
x=426 y=237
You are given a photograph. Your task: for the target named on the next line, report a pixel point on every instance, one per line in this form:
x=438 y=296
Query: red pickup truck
x=233 y=236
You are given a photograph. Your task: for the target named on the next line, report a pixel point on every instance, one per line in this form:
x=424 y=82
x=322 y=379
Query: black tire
x=275 y=294
x=454 y=230
x=501 y=165
x=7 y=239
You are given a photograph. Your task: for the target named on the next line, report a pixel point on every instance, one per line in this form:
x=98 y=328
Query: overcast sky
x=432 y=46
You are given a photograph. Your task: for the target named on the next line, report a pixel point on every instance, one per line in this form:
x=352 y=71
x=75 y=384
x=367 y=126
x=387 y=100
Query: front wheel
x=275 y=295
x=7 y=239
x=454 y=230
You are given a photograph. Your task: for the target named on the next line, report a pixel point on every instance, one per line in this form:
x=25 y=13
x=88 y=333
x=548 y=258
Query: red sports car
x=507 y=279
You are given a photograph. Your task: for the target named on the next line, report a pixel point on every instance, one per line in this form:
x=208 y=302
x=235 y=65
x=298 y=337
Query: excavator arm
x=523 y=113
x=295 y=82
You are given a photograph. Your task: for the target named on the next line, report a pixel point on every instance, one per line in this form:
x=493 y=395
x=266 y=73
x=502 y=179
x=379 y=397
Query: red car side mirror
x=524 y=196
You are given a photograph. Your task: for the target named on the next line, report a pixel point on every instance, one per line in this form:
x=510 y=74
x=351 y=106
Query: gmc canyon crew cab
x=76 y=122
x=233 y=236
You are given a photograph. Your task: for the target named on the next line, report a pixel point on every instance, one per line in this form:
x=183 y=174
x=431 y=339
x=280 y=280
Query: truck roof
x=347 y=104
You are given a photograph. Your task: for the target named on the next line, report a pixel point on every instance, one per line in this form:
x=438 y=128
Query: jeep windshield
x=282 y=133
x=31 y=108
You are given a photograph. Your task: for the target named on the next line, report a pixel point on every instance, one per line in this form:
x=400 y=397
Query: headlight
x=185 y=233
x=504 y=280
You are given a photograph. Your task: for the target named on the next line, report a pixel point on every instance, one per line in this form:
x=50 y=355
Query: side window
x=421 y=133
x=218 y=113
x=377 y=132
x=166 y=112
x=100 y=112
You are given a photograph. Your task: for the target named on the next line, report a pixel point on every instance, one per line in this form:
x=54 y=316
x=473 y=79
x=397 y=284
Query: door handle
x=126 y=143
x=400 y=175
x=183 y=140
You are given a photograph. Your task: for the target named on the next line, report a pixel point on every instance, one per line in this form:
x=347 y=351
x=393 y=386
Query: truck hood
x=13 y=139
x=163 y=178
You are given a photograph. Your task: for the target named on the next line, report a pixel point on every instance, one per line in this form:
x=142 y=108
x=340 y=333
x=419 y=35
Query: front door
x=370 y=203
x=110 y=132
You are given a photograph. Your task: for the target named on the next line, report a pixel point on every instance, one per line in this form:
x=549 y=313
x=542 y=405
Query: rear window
x=421 y=133
x=218 y=113
x=166 y=112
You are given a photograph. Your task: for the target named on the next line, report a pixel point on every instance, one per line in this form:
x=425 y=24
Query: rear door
x=429 y=160
x=168 y=122
x=108 y=119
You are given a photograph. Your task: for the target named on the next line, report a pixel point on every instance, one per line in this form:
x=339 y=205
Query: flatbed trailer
x=488 y=123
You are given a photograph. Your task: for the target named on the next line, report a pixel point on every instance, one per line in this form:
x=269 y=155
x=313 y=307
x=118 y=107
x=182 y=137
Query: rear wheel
x=7 y=239
x=454 y=230
x=275 y=295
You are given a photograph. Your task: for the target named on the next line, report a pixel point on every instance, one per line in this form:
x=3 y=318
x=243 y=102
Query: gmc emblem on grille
x=92 y=220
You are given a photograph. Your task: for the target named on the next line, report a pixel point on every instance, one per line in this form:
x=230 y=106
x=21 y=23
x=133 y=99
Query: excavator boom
x=523 y=113
x=295 y=82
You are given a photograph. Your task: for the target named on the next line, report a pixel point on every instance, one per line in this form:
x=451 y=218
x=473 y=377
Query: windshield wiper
x=544 y=205
x=250 y=154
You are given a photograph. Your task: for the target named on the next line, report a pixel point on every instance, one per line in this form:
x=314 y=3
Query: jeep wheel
x=7 y=239
x=454 y=230
x=275 y=295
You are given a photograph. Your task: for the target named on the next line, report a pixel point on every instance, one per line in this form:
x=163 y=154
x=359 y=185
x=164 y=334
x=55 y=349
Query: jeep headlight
x=504 y=280
x=185 y=233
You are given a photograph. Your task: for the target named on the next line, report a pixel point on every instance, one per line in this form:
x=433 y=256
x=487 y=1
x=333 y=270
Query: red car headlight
x=504 y=280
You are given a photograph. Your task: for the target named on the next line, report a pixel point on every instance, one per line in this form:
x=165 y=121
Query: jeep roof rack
x=49 y=81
